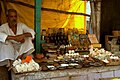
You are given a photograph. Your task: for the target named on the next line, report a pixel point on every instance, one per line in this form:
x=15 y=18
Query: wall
x=110 y=18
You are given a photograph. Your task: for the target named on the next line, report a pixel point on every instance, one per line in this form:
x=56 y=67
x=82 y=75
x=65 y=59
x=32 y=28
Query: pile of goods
x=105 y=56
x=25 y=65
x=72 y=58
x=69 y=59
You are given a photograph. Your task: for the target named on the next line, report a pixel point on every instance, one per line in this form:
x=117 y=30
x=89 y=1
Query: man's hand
x=20 y=38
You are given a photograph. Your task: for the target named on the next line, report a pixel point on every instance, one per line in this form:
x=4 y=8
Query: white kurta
x=10 y=49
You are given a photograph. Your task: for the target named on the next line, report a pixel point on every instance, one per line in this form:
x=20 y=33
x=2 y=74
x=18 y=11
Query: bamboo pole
x=98 y=15
x=0 y=13
x=37 y=25
x=95 y=16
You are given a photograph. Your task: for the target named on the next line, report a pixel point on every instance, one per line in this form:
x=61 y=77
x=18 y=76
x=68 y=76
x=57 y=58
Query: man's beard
x=14 y=22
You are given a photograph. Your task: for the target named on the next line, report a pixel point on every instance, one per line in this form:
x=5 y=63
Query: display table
x=91 y=73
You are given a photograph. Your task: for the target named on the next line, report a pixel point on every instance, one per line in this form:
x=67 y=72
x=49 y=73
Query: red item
x=27 y=59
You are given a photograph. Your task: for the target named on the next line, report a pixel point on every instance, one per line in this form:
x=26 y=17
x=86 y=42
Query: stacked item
x=105 y=56
x=25 y=65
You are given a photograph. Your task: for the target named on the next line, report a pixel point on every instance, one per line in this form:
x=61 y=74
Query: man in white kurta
x=12 y=43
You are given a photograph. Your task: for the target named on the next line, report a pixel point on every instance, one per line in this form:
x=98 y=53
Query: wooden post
x=5 y=6
x=0 y=13
x=93 y=16
x=98 y=15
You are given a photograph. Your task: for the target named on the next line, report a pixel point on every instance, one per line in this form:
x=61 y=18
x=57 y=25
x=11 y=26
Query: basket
x=114 y=63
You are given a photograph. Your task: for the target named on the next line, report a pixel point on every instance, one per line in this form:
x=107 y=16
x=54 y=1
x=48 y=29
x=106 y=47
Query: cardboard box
x=115 y=48
x=97 y=45
x=92 y=38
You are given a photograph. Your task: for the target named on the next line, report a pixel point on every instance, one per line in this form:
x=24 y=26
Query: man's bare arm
x=19 y=38
x=11 y=37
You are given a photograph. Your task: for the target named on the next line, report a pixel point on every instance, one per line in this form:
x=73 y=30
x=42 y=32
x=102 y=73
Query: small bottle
x=43 y=35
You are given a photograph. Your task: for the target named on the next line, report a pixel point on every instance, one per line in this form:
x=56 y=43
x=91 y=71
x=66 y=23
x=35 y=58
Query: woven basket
x=114 y=63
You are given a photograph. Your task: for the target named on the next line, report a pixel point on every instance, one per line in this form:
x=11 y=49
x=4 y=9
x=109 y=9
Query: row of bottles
x=58 y=37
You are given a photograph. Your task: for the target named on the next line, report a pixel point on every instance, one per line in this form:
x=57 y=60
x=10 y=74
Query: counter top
x=65 y=72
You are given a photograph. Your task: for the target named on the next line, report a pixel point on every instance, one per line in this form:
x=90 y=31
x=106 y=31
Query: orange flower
x=23 y=61
x=27 y=59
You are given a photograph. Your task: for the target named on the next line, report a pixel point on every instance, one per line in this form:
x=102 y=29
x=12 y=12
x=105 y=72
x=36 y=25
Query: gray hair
x=11 y=10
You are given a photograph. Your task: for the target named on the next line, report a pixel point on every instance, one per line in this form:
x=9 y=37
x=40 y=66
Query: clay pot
x=39 y=56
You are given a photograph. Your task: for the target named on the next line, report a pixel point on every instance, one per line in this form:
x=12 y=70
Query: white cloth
x=10 y=49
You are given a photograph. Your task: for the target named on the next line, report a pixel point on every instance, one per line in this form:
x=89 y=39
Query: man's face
x=12 y=18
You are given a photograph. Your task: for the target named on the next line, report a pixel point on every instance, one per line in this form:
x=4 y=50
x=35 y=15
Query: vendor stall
x=68 y=51
x=70 y=56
